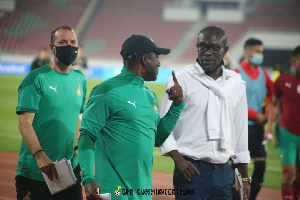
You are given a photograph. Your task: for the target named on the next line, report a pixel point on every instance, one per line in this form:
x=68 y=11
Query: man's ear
x=52 y=48
x=144 y=60
x=226 y=49
x=247 y=52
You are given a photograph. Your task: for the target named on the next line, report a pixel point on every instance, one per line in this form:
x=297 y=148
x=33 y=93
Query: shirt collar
x=132 y=77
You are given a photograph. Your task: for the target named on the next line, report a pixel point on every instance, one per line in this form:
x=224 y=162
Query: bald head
x=216 y=32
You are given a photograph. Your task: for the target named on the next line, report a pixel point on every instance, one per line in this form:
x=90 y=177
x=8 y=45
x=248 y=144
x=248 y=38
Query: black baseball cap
x=138 y=45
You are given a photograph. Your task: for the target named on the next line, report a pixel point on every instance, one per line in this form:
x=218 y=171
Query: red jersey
x=254 y=74
x=287 y=87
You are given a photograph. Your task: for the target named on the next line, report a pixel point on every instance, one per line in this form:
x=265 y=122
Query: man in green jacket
x=121 y=125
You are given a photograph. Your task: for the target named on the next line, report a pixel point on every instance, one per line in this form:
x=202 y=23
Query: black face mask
x=66 y=54
x=211 y=70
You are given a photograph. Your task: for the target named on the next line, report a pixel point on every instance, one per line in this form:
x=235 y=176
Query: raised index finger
x=174 y=78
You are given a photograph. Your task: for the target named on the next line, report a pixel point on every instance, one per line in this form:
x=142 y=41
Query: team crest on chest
x=298 y=89
x=78 y=91
x=155 y=107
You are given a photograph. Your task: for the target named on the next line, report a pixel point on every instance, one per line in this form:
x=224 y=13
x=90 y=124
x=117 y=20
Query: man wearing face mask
x=213 y=125
x=50 y=101
x=259 y=87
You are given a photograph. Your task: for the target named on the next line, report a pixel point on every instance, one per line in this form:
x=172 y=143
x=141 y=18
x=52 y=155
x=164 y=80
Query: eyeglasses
x=215 y=49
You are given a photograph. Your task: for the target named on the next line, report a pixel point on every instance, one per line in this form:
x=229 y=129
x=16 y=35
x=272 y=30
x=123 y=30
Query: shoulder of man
x=79 y=74
x=283 y=78
x=77 y=71
x=233 y=73
x=109 y=85
x=235 y=77
x=31 y=76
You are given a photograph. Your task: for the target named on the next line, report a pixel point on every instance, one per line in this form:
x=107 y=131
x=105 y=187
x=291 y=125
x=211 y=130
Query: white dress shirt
x=191 y=135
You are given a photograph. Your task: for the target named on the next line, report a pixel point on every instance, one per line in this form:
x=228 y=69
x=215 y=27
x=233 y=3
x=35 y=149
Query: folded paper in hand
x=66 y=177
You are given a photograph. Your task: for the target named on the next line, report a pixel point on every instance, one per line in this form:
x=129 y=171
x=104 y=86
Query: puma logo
x=53 y=88
x=131 y=103
x=288 y=197
x=289 y=85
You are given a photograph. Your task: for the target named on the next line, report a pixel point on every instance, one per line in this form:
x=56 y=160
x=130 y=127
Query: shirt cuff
x=168 y=146
x=242 y=157
x=86 y=160
x=178 y=106
x=87 y=181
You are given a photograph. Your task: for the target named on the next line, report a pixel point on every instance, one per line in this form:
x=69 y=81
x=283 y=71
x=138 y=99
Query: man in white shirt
x=212 y=126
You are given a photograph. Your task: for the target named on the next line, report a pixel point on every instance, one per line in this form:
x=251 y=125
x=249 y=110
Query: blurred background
x=103 y=25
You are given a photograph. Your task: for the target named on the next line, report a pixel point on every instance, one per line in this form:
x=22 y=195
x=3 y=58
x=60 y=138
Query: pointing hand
x=175 y=92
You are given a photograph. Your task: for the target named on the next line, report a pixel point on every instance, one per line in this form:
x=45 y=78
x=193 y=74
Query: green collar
x=132 y=77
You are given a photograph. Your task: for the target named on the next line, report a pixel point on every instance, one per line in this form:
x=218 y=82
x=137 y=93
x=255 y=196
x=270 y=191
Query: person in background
x=213 y=125
x=42 y=60
x=50 y=100
x=259 y=87
x=280 y=69
x=287 y=91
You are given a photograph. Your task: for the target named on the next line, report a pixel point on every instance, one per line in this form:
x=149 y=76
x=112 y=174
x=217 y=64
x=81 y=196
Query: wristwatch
x=247 y=179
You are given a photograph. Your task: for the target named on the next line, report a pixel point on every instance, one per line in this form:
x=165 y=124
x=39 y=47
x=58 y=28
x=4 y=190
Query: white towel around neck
x=217 y=113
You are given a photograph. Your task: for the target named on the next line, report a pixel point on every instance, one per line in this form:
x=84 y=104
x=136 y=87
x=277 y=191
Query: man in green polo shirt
x=121 y=125
x=50 y=100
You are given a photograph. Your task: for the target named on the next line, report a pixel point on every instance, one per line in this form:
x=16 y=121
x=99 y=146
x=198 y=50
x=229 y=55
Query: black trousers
x=29 y=189
x=256 y=146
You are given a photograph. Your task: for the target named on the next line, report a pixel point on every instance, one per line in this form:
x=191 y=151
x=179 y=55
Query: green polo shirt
x=56 y=99
x=122 y=121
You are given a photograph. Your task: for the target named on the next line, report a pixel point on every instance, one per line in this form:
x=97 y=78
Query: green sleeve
x=29 y=94
x=84 y=97
x=96 y=114
x=167 y=123
x=86 y=158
